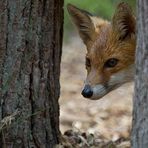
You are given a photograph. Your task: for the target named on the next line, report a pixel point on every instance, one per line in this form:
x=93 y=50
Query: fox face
x=110 y=49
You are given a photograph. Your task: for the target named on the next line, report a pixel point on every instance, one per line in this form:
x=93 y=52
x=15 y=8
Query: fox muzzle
x=87 y=92
x=94 y=92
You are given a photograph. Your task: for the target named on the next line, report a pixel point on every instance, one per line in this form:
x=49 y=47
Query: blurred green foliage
x=102 y=8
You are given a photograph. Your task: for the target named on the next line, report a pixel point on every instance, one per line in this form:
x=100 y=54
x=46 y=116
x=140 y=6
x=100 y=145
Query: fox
x=110 y=47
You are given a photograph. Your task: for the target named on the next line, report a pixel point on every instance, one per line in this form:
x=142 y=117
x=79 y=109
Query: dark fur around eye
x=110 y=63
x=87 y=62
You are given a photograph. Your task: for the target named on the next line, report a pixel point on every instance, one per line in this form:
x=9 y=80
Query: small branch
x=5 y=122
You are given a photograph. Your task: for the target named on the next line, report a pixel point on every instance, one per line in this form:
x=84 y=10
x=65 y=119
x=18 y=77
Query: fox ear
x=123 y=22
x=84 y=24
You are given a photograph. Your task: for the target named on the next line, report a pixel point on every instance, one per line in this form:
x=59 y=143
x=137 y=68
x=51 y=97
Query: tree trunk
x=140 y=106
x=30 y=54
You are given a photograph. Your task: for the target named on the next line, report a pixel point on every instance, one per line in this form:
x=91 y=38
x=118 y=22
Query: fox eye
x=111 y=63
x=87 y=62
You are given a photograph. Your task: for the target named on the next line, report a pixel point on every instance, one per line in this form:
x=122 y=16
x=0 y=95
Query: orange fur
x=104 y=41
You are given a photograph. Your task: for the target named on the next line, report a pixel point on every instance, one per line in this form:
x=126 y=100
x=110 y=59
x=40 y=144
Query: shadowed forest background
x=109 y=117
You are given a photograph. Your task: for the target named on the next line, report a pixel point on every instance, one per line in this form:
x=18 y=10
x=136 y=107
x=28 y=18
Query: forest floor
x=107 y=119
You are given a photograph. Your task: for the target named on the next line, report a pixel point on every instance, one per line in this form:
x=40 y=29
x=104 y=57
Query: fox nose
x=87 y=91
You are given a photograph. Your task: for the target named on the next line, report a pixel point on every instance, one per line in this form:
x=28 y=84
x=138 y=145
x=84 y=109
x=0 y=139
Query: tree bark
x=140 y=102
x=30 y=54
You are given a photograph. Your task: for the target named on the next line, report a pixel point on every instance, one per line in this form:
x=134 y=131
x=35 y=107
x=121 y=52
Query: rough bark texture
x=30 y=53
x=140 y=106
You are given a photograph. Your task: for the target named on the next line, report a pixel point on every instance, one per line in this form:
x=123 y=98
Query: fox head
x=110 y=49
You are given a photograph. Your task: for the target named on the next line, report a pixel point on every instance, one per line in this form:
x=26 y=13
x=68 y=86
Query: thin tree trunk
x=30 y=54
x=140 y=106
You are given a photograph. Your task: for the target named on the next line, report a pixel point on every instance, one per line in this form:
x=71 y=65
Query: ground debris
x=77 y=139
